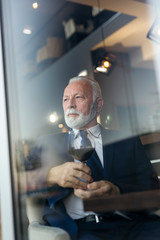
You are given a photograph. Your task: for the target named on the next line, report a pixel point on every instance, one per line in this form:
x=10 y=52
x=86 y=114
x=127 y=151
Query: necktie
x=93 y=162
x=85 y=142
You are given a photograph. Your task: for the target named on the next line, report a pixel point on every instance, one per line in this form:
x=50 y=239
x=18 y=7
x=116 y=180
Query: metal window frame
x=6 y=198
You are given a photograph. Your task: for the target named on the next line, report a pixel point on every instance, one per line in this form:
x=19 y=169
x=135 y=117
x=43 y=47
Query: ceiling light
x=35 y=5
x=27 y=31
x=101 y=69
x=102 y=61
x=104 y=65
x=53 y=117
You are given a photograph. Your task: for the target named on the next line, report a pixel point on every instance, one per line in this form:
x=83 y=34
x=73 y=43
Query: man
x=115 y=167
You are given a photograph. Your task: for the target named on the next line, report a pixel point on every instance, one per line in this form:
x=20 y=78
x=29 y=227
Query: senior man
x=117 y=166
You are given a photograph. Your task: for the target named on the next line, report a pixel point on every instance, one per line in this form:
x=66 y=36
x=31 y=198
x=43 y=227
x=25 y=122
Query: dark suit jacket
x=125 y=165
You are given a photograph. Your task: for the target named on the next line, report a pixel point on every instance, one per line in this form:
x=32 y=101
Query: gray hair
x=95 y=85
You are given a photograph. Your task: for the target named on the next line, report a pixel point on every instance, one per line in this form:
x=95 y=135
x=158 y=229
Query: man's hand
x=97 y=189
x=70 y=174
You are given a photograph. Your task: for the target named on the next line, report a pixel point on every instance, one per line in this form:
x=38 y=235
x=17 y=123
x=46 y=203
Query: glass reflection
x=60 y=41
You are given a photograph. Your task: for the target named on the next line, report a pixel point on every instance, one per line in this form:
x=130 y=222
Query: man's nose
x=71 y=103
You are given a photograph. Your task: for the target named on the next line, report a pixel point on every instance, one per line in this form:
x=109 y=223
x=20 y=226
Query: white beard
x=80 y=121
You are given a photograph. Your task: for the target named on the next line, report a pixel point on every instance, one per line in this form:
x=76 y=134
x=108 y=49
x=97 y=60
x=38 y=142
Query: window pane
x=48 y=43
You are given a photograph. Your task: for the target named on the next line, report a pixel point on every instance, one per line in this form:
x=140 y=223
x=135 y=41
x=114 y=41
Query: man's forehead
x=79 y=86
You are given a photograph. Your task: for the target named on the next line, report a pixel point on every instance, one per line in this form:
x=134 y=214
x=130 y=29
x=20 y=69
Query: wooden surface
x=150 y=138
x=132 y=201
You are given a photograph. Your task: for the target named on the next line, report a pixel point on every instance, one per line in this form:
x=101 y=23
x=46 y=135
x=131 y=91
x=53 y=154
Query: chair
x=34 y=208
x=36 y=229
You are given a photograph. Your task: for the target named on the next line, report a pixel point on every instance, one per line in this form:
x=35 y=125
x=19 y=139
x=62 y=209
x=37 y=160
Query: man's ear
x=99 y=102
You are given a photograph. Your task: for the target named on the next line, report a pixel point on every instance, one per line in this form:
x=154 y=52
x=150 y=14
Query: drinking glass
x=81 y=152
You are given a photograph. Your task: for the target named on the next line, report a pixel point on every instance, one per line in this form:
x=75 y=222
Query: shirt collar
x=94 y=131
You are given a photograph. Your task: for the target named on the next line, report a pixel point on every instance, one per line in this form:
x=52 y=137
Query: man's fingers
x=82 y=175
x=82 y=167
x=75 y=182
x=100 y=184
x=75 y=175
x=70 y=174
x=97 y=189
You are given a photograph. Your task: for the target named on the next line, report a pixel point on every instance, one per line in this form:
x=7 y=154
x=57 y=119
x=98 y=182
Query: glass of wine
x=80 y=151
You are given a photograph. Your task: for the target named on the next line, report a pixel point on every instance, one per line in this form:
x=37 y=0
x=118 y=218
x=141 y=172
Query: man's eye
x=65 y=99
x=78 y=97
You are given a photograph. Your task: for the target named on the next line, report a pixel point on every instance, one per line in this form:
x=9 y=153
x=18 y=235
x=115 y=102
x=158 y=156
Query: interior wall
x=130 y=96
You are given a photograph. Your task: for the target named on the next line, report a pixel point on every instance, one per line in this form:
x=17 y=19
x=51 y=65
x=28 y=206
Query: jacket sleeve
x=135 y=170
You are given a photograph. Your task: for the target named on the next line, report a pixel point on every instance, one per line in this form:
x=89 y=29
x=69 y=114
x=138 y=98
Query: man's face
x=78 y=105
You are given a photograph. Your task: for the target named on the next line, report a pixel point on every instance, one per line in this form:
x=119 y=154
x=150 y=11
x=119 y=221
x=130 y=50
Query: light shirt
x=73 y=204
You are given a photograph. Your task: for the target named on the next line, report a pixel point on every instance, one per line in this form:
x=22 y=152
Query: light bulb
x=35 y=5
x=106 y=64
x=101 y=69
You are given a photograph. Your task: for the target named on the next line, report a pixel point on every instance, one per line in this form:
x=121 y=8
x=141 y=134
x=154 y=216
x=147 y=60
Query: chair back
x=35 y=207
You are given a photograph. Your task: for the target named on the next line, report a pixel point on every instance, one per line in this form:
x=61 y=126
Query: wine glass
x=80 y=151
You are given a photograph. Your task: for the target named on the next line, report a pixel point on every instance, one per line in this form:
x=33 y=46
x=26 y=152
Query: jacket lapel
x=98 y=172
x=107 y=152
x=96 y=167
